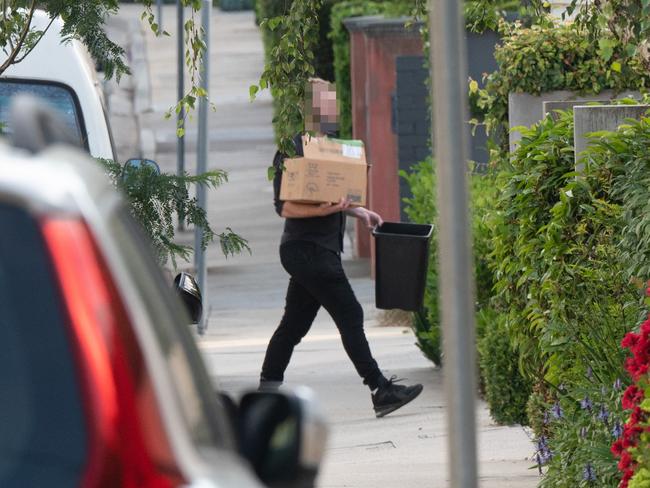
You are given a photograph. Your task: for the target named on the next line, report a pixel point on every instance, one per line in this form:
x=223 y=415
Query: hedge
x=572 y=253
x=545 y=58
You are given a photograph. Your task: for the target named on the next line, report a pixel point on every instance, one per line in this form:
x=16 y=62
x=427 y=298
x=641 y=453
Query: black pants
x=317 y=278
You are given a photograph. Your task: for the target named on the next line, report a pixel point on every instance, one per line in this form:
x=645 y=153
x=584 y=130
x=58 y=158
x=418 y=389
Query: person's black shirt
x=325 y=231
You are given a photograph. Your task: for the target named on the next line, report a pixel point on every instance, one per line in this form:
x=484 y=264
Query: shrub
x=560 y=280
x=529 y=188
x=544 y=58
x=506 y=390
x=580 y=427
x=569 y=250
x=623 y=157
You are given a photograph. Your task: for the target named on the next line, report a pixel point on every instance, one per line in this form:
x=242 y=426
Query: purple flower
x=588 y=473
x=603 y=414
x=617 y=430
x=586 y=404
x=618 y=384
x=544 y=454
x=556 y=410
x=542 y=443
x=590 y=372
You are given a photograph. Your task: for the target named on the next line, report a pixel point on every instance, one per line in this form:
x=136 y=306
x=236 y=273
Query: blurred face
x=322 y=110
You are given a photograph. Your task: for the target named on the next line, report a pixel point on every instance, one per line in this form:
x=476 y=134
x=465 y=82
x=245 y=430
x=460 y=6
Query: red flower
x=627 y=476
x=641 y=350
x=630 y=340
x=635 y=369
x=645 y=329
x=630 y=431
x=617 y=448
x=631 y=366
x=641 y=370
x=631 y=435
x=637 y=416
x=631 y=397
x=625 y=461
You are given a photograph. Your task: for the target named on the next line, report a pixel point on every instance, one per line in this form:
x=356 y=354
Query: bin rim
x=375 y=231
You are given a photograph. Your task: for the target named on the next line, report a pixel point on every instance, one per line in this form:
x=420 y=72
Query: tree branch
x=21 y=39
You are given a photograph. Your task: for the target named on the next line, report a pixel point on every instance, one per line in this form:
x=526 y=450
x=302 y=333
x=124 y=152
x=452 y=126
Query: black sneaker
x=390 y=397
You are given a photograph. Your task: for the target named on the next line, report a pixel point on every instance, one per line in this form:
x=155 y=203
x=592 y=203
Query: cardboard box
x=331 y=169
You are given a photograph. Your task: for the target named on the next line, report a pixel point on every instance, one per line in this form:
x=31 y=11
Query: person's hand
x=368 y=217
x=330 y=208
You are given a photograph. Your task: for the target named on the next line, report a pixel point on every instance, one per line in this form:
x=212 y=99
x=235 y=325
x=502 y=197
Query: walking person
x=310 y=252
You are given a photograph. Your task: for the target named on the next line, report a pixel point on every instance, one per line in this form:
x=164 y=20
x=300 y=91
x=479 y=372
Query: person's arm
x=295 y=210
x=368 y=217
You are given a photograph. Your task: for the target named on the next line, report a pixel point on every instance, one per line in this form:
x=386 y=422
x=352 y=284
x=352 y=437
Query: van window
x=60 y=97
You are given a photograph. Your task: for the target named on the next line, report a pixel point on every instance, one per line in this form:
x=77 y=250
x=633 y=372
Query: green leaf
x=252 y=91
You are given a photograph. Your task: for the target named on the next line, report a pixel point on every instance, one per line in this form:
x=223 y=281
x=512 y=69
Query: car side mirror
x=190 y=294
x=283 y=436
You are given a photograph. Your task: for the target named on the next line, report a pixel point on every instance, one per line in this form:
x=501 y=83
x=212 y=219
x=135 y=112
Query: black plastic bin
x=401 y=259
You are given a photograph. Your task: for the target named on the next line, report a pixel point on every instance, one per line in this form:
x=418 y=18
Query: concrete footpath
x=406 y=449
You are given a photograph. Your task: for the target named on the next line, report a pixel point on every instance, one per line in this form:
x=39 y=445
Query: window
x=60 y=97
x=42 y=424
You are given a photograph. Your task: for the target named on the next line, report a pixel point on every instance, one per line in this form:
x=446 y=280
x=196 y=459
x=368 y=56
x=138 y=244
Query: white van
x=63 y=74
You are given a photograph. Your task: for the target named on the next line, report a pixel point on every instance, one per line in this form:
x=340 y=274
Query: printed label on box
x=349 y=151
